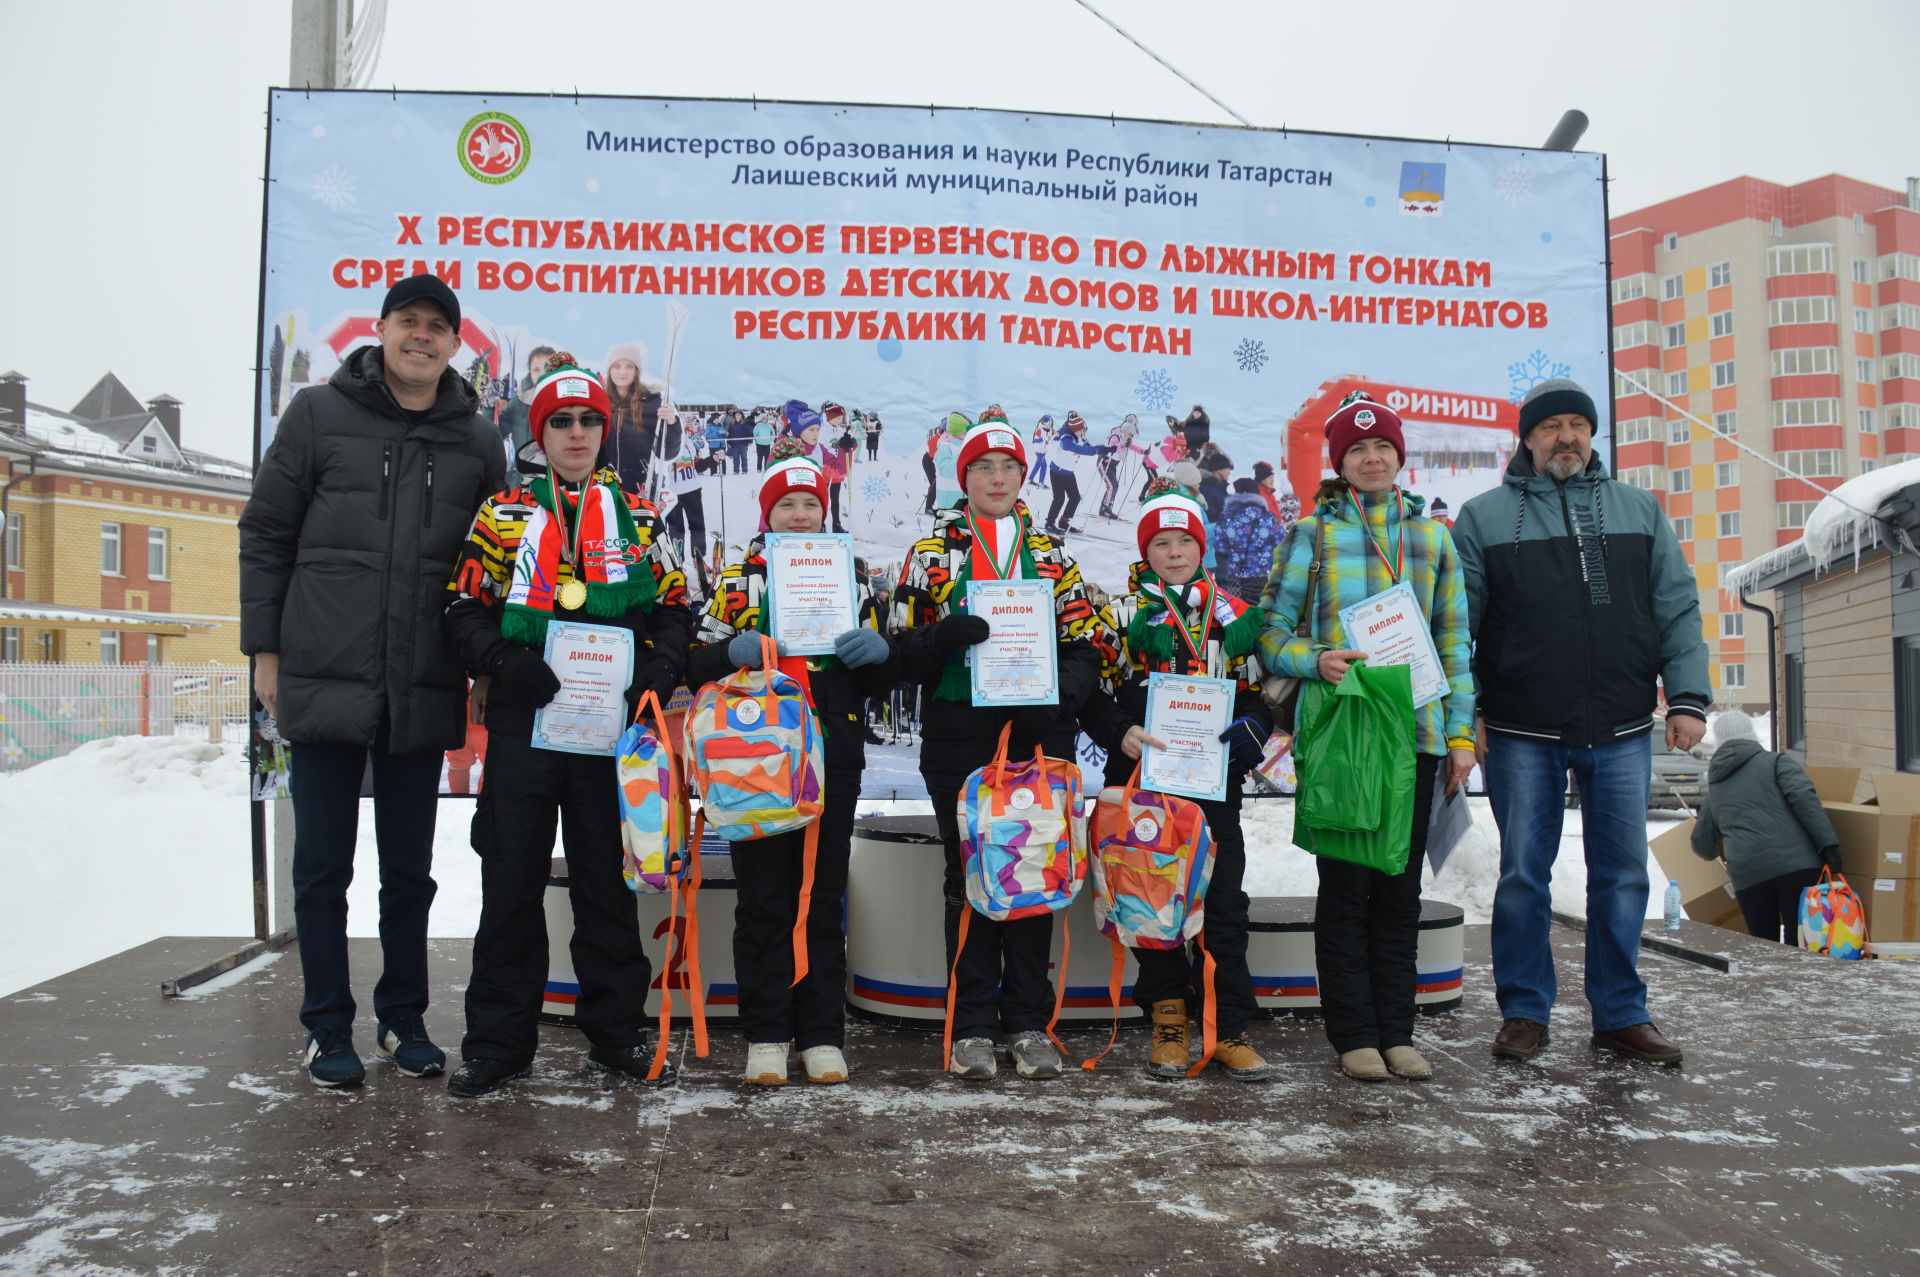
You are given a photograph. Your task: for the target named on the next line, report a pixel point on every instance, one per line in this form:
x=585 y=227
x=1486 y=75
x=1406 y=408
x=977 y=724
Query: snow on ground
x=132 y=838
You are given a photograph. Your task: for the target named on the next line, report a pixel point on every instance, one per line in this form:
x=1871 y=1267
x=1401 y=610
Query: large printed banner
x=907 y=263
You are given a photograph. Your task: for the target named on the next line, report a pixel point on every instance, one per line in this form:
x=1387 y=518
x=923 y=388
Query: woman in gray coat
x=1776 y=834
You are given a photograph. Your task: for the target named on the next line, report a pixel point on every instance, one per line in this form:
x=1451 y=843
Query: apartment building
x=1782 y=318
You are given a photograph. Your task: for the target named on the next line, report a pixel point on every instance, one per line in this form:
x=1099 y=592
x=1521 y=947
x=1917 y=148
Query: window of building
x=1793 y=514
x=1793 y=703
x=1869 y=464
x=1863 y=371
x=1903 y=365
x=1733 y=676
x=1723 y=374
x=1862 y=319
x=1726 y=473
x=1676 y=383
x=149 y=444
x=1906 y=696
x=10 y=645
x=1900 y=315
x=1649 y=478
x=1680 y=480
x=1673 y=287
x=1813 y=463
x=1683 y=528
x=157 y=553
x=1800 y=259
x=1868 y=422
x=1862 y=271
x=1806 y=412
x=16 y=542
x=1640 y=333
x=1631 y=287
x=110 y=549
x=1730 y=523
x=1673 y=242
x=1800 y=310
x=1899 y=417
x=1639 y=430
x=1900 y=266
x=1726 y=422
x=1733 y=625
x=1676 y=335
x=1679 y=430
x=1801 y=361
x=1720 y=274
x=1720 y=323
x=109 y=647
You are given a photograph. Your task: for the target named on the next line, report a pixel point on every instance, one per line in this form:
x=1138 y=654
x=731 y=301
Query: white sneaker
x=973 y=1060
x=1035 y=1056
x=767 y=1063
x=824 y=1064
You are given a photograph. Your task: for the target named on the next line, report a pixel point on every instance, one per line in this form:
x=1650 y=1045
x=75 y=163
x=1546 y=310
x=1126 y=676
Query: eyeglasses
x=991 y=469
x=566 y=421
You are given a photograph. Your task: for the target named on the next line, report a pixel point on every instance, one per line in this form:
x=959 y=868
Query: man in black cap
x=358 y=510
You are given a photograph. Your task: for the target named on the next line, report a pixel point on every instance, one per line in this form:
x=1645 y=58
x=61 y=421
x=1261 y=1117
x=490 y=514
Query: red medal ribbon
x=1400 y=548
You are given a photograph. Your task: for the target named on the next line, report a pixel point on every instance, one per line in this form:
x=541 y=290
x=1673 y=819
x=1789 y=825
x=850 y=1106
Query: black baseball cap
x=423 y=288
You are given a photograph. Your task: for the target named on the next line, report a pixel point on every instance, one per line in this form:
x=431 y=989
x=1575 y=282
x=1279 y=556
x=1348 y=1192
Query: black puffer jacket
x=345 y=550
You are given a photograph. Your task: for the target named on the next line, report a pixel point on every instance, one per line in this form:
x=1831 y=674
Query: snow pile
x=1844 y=522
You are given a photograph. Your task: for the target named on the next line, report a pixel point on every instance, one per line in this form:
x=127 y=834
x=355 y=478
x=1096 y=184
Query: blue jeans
x=1527 y=782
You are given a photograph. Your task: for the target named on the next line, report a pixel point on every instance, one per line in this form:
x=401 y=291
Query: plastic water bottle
x=1673 y=905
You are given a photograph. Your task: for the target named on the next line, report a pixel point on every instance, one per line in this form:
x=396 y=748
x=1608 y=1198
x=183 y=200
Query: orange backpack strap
x=1114 y=976
x=997 y=772
x=1210 y=1018
x=804 y=907
x=666 y=980
x=696 y=983
x=1060 y=985
x=953 y=984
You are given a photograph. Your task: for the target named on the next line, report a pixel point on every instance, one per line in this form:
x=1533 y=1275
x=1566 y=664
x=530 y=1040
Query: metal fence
x=48 y=710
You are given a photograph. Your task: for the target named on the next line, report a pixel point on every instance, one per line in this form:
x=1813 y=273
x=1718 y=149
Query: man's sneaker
x=1035 y=1055
x=479 y=1076
x=632 y=1063
x=331 y=1060
x=1168 y=1058
x=404 y=1040
x=767 y=1063
x=1237 y=1056
x=973 y=1060
x=824 y=1064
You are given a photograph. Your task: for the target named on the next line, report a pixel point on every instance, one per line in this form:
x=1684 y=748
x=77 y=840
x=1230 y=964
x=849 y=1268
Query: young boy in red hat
x=776 y=1015
x=572 y=546
x=989 y=535
x=1176 y=620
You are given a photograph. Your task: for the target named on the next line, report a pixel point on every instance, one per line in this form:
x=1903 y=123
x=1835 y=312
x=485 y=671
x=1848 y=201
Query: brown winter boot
x=1168 y=1056
x=1237 y=1056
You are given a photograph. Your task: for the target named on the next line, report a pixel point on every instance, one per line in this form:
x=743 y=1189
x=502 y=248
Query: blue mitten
x=744 y=649
x=1246 y=744
x=860 y=646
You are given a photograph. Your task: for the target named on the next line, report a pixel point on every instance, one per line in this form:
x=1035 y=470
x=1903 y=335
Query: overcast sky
x=131 y=226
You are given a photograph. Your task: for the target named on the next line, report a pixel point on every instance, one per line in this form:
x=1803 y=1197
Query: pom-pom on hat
x=567 y=384
x=993 y=412
x=1361 y=416
x=990 y=436
x=1075 y=421
x=1172 y=511
x=796 y=472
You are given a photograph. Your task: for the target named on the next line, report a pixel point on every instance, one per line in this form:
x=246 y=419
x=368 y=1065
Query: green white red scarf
x=599 y=546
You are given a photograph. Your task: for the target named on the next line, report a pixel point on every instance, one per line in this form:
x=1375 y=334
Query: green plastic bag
x=1354 y=760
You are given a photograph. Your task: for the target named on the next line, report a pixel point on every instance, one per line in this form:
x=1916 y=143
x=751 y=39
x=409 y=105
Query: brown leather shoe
x=1519 y=1039
x=1642 y=1041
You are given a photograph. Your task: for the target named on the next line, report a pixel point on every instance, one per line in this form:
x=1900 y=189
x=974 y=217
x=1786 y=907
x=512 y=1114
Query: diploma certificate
x=1019 y=663
x=1392 y=630
x=594 y=664
x=811 y=598
x=1187 y=714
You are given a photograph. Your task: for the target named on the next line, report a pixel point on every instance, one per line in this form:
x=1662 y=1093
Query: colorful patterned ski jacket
x=1354 y=568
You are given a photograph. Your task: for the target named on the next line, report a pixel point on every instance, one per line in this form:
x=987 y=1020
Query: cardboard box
x=1879 y=838
x=1892 y=905
x=1706 y=893
x=1835 y=784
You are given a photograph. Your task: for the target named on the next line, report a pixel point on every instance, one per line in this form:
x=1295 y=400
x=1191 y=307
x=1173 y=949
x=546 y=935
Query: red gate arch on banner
x=1305 y=441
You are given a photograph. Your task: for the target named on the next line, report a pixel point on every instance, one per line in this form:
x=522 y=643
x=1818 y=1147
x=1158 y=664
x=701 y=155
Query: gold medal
x=573 y=595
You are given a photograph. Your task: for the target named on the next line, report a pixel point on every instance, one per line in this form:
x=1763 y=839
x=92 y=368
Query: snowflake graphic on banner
x=1531 y=371
x=1251 y=355
x=874 y=489
x=333 y=187
x=1155 y=389
x=1515 y=183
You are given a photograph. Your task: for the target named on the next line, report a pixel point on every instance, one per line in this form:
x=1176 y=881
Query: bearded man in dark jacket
x=358 y=509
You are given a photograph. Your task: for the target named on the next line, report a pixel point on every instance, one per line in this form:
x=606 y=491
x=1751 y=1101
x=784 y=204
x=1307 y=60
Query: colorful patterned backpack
x=1023 y=850
x=1832 y=919
x=756 y=754
x=659 y=855
x=1152 y=859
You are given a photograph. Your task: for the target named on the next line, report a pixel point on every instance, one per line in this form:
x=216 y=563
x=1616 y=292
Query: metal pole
x=1567 y=133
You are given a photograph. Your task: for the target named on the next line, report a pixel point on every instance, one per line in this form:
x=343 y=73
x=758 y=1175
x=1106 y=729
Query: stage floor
x=143 y=1134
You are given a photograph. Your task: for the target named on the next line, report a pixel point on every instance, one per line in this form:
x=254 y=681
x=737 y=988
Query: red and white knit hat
x=795 y=474
x=1361 y=416
x=1171 y=512
x=990 y=436
x=566 y=383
